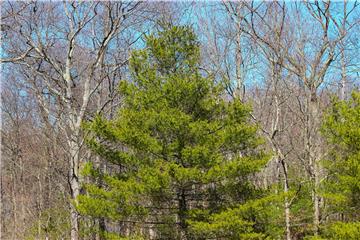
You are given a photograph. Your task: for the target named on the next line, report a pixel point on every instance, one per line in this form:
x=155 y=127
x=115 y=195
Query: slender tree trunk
x=22 y=198
x=276 y=76
x=239 y=60
x=182 y=215
x=2 y=219
x=40 y=204
x=73 y=212
x=343 y=76
x=1 y=199
x=343 y=57
x=13 y=194
x=239 y=75
x=74 y=187
x=286 y=201
x=312 y=144
x=316 y=199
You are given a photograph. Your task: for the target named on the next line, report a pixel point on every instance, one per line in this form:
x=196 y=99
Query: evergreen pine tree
x=180 y=150
x=342 y=186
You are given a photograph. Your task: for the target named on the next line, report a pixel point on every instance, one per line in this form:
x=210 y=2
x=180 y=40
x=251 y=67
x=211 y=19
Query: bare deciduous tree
x=62 y=50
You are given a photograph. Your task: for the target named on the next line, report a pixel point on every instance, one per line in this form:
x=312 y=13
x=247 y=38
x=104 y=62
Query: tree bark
x=182 y=215
x=74 y=188
x=343 y=75
x=239 y=62
x=312 y=145
x=286 y=201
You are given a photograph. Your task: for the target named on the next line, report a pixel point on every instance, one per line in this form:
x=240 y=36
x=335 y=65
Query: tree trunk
x=182 y=215
x=40 y=204
x=22 y=198
x=13 y=194
x=312 y=145
x=316 y=200
x=74 y=188
x=343 y=76
x=1 y=199
x=286 y=201
x=239 y=61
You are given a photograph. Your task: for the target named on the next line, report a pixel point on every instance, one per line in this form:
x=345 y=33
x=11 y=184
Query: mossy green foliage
x=182 y=151
x=342 y=186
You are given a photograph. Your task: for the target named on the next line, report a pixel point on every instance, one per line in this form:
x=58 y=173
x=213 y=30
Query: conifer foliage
x=179 y=150
x=342 y=186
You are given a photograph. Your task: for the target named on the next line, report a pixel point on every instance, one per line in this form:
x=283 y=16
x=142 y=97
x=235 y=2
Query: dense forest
x=180 y=120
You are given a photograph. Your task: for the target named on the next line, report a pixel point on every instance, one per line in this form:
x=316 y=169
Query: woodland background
x=61 y=64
